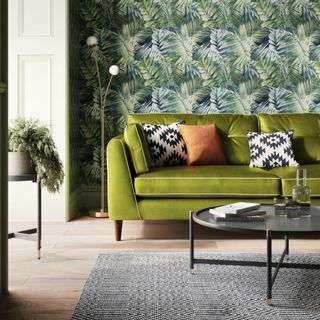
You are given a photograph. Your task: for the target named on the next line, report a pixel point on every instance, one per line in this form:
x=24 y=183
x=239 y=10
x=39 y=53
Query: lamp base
x=98 y=214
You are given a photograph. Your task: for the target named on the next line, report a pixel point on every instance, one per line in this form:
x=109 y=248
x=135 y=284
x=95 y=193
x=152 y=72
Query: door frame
x=3 y=147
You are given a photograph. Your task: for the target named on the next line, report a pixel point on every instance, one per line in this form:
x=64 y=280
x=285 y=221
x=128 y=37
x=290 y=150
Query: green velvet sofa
x=138 y=192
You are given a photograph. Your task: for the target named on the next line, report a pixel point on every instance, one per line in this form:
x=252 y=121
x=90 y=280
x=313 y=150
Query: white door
x=38 y=89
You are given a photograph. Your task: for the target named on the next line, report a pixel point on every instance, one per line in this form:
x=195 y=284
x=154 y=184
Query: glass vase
x=301 y=193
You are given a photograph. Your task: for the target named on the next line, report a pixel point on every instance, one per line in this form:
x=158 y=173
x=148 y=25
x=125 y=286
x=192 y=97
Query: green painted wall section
x=197 y=56
x=3 y=147
x=73 y=181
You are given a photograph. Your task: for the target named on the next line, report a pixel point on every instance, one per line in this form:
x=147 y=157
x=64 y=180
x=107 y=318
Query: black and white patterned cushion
x=269 y=150
x=166 y=145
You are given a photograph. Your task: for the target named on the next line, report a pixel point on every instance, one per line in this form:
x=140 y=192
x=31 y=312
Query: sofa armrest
x=122 y=201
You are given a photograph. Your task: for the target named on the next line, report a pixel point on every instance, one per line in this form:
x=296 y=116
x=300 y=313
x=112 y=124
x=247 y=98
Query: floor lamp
x=92 y=43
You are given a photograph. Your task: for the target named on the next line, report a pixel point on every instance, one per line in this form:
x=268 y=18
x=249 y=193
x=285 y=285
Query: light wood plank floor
x=49 y=288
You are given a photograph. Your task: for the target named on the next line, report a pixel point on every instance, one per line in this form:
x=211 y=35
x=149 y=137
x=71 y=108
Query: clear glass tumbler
x=279 y=204
x=293 y=210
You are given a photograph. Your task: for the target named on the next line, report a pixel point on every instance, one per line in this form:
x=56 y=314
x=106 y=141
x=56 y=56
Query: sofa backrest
x=306 y=139
x=232 y=128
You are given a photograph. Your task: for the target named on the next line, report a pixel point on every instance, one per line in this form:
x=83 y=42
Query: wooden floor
x=49 y=288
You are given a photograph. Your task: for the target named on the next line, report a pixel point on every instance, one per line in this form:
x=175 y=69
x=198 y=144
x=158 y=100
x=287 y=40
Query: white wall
x=38 y=89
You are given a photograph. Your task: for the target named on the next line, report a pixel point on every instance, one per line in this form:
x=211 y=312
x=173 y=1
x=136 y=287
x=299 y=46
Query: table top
x=277 y=224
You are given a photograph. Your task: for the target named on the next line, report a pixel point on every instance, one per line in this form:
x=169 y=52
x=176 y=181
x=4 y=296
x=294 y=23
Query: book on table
x=236 y=218
x=237 y=207
x=239 y=211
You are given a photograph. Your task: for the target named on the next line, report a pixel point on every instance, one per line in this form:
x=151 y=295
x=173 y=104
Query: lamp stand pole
x=101 y=213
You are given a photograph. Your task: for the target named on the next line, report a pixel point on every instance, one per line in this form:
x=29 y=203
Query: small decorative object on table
x=301 y=193
x=293 y=210
x=239 y=211
x=280 y=206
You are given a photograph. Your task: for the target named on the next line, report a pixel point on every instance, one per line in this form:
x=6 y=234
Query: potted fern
x=32 y=149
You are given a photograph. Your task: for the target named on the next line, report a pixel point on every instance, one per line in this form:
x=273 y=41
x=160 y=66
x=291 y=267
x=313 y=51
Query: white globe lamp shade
x=114 y=70
x=92 y=41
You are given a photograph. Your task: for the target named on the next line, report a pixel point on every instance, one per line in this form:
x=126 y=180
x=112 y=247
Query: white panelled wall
x=38 y=89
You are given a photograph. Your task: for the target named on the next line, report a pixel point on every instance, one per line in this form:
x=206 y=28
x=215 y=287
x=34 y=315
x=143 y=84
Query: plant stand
x=33 y=234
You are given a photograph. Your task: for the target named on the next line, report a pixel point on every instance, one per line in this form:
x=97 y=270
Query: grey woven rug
x=161 y=287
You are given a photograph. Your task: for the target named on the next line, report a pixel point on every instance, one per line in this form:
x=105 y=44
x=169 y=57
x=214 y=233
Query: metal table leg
x=39 y=231
x=269 y=266
x=191 y=239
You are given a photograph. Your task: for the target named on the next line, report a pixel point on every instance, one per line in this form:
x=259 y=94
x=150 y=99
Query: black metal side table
x=272 y=225
x=33 y=234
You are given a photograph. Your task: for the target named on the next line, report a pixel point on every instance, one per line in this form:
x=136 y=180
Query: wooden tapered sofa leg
x=118 y=229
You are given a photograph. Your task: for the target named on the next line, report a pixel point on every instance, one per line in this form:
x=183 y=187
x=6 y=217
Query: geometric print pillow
x=166 y=145
x=269 y=150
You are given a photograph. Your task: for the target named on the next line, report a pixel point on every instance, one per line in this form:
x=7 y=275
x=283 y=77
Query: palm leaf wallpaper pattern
x=197 y=56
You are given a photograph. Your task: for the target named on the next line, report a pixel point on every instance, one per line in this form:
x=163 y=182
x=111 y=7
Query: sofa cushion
x=232 y=128
x=166 y=145
x=138 y=146
x=203 y=144
x=270 y=150
x=288 y=178
x=306 y=138
x=207 y=182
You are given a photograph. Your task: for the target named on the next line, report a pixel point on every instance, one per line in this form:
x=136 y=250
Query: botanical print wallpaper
x=197 y=56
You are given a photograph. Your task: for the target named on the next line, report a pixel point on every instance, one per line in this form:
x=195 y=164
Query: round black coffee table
x=271 y=225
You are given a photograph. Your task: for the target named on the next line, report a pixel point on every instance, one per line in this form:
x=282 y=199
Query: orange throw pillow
x=203 y=144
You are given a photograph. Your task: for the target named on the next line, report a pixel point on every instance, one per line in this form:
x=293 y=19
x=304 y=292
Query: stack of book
x=239 y=211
